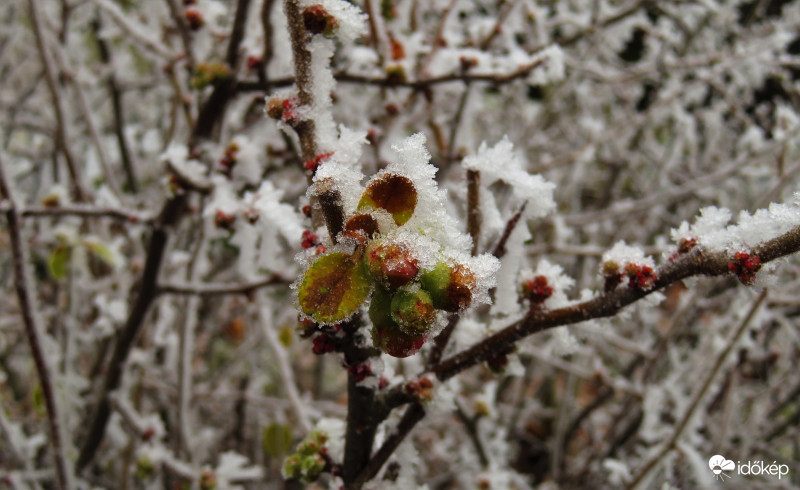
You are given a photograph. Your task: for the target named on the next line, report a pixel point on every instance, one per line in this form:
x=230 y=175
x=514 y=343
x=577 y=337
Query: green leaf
x=394 y=193
x=58 y=263
x=276 y=439
x=333 y=288
x=100 y=251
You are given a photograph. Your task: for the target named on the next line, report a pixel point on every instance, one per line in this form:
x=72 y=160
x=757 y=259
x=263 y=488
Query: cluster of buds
x=311 y=240
x=360 y=371
x=324 y=343
x=403 y=307
x=537 y=290
x=745 y=265
x=224 y=220
x=422 y=389
x=317 y=20
x=311 y=165
x=640 y=276
x=685 y=245
x=309 y=460
x=228 y=161
x=206 y=74
x=284 y=110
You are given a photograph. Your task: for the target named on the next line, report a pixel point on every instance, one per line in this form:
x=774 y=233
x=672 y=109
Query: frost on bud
x=686 y=245
x=386 y=334
x=745 y=266
x=537 y=290
x=391 y=264
x=282 y=109
x=317 y=20
x=394 y=193
x=333 y=288
x=413 y=311
x=640 y=276
x=450 y=288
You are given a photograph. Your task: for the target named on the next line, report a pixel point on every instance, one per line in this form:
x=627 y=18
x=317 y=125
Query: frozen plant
x=398 y=244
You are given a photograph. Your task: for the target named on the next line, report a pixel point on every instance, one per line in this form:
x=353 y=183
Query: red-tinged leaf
x=394 y=193
x=361 y=226
x=333 y=288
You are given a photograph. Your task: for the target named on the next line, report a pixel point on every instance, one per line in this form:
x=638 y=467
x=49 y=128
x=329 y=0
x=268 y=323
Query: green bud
x=413 y=311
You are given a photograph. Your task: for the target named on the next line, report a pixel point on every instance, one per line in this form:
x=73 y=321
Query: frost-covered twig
x=474 y=216
x=36 y=337
x=698 y=396
x=698 y=262
x=87 y=211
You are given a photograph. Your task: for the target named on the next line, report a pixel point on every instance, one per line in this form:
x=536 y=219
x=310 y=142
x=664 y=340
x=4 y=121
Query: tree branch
x=145 y=293
x=414 y=414
x=607 y=304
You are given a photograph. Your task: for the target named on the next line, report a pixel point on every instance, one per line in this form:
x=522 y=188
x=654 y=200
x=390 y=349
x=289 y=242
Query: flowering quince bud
x=450 y=288
x=640 y=276
x=413 y=311
x=324 y=343
x=310 y=458
x=360 y=371
x=283 y=109
x=745 y=266
x=306 y=210
x=685 y=245
x=386 y=334
x=194 y=18
x=422 y=389
x=391 y=264
x=537 y=290
x=310 y=239
x=311 y=165
x=317 y=20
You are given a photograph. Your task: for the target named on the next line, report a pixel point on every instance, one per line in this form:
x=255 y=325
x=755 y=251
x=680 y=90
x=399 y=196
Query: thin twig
x=36 y=337
x=217 y=289
x=87 y=211
x=500 y=249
